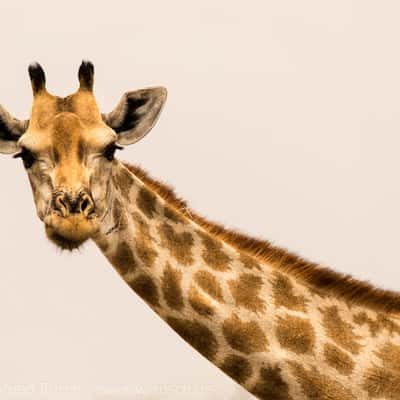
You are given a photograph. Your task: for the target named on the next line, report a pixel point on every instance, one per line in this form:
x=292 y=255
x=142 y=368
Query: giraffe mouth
x=71 y=232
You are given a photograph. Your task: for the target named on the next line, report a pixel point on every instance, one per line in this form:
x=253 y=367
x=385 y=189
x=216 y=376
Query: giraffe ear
x=11 y=129
x=136 y=114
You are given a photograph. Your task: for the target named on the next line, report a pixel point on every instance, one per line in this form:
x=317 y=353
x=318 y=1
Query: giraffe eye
x=110 y=150
x=27 y=156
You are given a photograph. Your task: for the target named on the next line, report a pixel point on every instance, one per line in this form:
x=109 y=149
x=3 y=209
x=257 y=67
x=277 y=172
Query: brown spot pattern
x=237 y=367
x=172 y=215
x=390 y=356
x=146 y=201
x=179 y=244
x=171 y=287
x=384 y=382
x=208 y=282
x=317 y=386
x=249 y=262
x=199 y=303
x=144 y=286
x=145 y=252
x=142 y=227
x=340 y=331
x=197 y=335
x=213 y=254
x=316 y=291
x=245 y=290
x=103 y=244
x=143 y=241
x=284 y=295
x=246 y=337
x=295 y=334
x=313 y=275
x=124 y=181
x=271 y=385
x=123 y=259
x=119 y=215
x=377 y=325
x=338 y=359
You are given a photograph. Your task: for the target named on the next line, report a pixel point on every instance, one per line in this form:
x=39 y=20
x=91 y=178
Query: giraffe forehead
x=67 y=132
x=64 y=122
x=82 y=103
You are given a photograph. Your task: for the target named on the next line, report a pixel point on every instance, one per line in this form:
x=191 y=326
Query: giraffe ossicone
x=282 y=327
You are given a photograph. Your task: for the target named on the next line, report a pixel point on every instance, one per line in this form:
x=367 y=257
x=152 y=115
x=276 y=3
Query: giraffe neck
x=274 y=335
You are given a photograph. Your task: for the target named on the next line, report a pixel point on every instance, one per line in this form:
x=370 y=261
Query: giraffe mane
x=322 y=279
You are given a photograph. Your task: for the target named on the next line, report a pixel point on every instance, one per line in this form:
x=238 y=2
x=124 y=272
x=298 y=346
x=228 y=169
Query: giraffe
x=280 y=326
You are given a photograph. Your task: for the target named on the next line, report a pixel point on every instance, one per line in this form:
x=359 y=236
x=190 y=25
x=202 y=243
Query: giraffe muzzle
x=72 y=219
x=66 y=204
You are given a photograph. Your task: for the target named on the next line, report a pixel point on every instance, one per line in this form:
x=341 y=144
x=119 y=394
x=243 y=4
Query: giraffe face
x=69 y=166
x=67 y=148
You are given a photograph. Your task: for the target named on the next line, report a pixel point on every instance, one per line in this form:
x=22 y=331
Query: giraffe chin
x=71 y=232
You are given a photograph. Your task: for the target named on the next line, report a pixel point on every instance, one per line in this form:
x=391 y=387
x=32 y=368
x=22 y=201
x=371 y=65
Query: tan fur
x=282 y=327
x=273 y=332
x=322 y=278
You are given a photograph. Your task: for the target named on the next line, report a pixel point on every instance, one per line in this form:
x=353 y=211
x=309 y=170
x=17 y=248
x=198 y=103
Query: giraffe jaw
x=71 y=232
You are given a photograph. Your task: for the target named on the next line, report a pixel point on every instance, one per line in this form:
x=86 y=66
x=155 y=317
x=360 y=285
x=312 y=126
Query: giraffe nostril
x=86 y=205
x=61 y=204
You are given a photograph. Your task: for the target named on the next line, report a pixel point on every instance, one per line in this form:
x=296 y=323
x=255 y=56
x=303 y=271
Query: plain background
x=283 y=120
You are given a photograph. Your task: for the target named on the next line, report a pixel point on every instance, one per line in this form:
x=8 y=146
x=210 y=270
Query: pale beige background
x=283 y=119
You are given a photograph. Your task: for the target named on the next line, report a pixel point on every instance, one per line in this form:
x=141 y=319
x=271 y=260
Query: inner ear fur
x=11 y=129
x=136 y=114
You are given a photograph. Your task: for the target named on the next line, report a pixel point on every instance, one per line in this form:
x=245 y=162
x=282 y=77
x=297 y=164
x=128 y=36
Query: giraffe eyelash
x=28 y=158
x=110 y=150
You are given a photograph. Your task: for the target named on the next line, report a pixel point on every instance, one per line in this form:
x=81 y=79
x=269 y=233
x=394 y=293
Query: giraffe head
x=67 y=148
